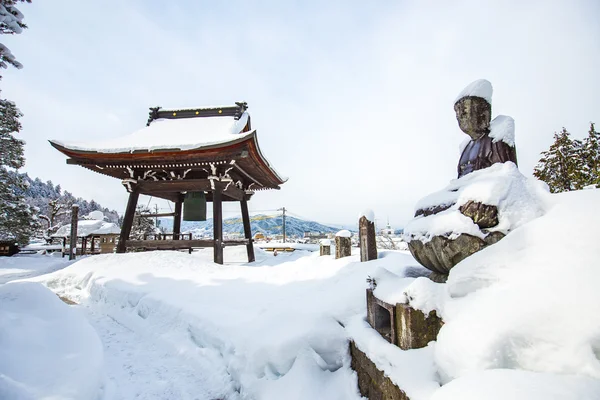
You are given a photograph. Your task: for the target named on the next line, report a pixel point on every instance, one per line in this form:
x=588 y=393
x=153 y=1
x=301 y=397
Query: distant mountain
x=269 y=225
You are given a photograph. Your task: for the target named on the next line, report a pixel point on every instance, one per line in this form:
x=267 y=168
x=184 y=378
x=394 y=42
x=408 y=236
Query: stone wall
x=372 y=383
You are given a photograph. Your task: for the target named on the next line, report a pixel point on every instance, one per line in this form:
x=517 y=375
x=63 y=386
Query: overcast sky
x=352 y=100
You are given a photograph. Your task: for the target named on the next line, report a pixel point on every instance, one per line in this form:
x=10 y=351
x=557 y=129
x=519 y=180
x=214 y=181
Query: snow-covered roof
x=89 y=227
x=175 y=134
x=480 y=88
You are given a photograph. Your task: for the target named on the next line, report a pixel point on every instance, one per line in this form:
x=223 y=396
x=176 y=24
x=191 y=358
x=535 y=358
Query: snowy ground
x=520 y=319
x=176 y=325
x=27 y=266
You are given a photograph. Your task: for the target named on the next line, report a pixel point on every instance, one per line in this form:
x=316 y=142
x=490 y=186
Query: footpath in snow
x=176 y=325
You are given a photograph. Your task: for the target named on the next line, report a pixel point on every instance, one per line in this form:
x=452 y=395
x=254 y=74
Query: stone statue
x=491 y=142
x=474 y=115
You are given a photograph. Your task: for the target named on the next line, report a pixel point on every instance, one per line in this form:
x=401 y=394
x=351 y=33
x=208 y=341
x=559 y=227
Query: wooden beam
x=158 y=215
x=128 y=220
x=234 y=192
x=235 y=242
x=177 y=218
x=247 y=230
x=169 y=244
x=218 y=223
x=184 y=185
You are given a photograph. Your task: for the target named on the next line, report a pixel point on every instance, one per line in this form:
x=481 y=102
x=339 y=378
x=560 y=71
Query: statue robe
x=483 y=153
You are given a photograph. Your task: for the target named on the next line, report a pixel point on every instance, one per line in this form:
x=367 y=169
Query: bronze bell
x=194 y=206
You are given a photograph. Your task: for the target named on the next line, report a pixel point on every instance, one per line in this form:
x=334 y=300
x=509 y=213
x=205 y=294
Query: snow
x=520 y=317
x=182 y=134
x=502 y=384
x=368 y=214
x=502 y=128
x=267 y=330
x=89 y=227
x=479 y=88
x=540 y=282
x=47 y=349
x=96 y=215
x=27 y=266
x=519 y=200
x=344 y=233
x=325 y=242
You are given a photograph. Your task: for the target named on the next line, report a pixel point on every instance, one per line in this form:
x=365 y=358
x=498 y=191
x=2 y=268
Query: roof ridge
x=235 y=111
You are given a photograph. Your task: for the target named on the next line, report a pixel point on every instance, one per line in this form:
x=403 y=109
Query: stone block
x=414 y=329
x=325 y=247
x=343 y=246
x=382 y=317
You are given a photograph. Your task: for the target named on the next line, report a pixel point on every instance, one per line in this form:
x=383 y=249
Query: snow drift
x=47 y=349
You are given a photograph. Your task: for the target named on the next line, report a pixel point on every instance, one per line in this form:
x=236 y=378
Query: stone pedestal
x=368 y=244
x=343 y=246
x=402 y=325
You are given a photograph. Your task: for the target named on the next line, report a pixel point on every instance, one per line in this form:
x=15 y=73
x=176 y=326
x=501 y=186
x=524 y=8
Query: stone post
x=343 y=244
x=325 y=246
x=73 y=237
x=366 y=235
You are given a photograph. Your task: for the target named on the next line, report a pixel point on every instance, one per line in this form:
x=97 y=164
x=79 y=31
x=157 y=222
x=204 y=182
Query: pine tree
x=560 y=166
x=591 y=157
x=142 y=225
x=17 y=219
x=11 y=22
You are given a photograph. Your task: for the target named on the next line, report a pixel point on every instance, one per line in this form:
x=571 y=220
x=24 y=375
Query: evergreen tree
x=591 y=157
x=17 y=219
x=11 y=22
x=560 y=165
x=142 y=225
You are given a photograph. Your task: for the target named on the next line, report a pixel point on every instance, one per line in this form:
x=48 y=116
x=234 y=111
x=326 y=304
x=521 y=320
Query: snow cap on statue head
x=473 y=108
x=479 y=88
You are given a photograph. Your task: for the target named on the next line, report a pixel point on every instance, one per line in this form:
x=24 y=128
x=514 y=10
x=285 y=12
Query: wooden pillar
x=93 y=245
x=73 y=238
x=247 y=229
x=83 y=245
x=128 y=220
x=177 y=218
x=218 y=223
x=64 y=244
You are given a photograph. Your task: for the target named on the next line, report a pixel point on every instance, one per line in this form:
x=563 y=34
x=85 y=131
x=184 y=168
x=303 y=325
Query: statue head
x=473 y=115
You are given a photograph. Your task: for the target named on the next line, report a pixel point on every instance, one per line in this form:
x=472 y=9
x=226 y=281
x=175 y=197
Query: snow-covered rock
x=519 y=199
